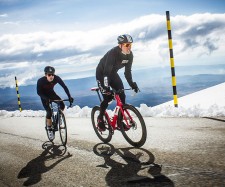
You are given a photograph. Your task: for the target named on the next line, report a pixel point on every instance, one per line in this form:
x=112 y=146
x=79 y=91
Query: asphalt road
x=178 y=152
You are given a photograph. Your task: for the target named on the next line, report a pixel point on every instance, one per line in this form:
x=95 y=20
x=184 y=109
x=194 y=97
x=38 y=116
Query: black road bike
x=58 y=121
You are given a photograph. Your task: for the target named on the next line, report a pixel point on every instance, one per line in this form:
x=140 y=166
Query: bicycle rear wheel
x=136 y=133
x=62 y=128
x=106 y=135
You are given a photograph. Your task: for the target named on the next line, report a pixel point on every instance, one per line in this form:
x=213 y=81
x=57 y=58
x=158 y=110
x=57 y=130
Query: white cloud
x=196 y=38
x=25 y=71
x=3 y=15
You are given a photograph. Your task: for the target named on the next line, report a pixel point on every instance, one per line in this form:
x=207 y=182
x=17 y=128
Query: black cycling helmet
x=125 y=38
x=49 y=69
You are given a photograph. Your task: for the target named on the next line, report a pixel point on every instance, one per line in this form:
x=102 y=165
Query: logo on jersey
x=125 y=61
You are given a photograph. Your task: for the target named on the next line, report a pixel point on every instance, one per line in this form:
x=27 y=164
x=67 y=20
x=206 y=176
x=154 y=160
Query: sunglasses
x=49 y=75
x=127 y=44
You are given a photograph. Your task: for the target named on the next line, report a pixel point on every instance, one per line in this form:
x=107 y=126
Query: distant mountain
x=154 y=83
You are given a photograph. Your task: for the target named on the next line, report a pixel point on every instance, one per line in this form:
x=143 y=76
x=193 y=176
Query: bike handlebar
x=60 y=100
x=122 y=90
x=113 y=91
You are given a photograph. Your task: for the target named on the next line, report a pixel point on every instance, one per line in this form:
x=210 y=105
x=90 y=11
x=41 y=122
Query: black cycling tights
x=117 y=84
x=47 y=107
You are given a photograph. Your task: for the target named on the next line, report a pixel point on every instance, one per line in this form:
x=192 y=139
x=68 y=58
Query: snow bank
x=158 y=111
x=209 y=102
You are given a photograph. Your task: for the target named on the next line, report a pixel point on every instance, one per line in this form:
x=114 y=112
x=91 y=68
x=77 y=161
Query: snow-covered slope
x=207 y=102
x=205 y=98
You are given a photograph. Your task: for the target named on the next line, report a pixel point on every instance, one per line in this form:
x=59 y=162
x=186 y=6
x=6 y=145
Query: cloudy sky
x=73 y=35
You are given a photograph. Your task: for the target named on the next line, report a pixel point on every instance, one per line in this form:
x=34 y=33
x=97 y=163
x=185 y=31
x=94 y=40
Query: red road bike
x=126 y=118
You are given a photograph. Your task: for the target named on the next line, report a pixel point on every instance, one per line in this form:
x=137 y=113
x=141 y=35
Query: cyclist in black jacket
x=45 y=89
x=107 y=76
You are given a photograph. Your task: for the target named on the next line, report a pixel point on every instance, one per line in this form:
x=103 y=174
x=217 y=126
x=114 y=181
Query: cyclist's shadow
x=33 y=170
x=125 y=171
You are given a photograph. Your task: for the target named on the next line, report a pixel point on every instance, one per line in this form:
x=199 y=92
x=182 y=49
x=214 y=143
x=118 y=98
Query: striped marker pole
x=172 y=59
x=18 y=95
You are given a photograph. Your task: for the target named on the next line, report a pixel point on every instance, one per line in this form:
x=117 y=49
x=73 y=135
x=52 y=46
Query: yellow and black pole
x=172 y=59
x=18 y=95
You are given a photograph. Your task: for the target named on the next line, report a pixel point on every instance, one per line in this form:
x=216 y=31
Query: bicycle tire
x=137 y=133
x=62 y=128
x=106 y=135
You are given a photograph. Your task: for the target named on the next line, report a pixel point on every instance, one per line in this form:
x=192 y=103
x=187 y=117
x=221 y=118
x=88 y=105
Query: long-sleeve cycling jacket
x=45 y=89
x=114 y=60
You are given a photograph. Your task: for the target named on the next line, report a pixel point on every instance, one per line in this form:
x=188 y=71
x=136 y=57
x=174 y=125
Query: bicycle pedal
x=100 y=130
x=112 y=131
x=49 y=129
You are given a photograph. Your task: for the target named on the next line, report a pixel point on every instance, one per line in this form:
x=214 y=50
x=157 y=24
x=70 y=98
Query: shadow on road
x=34 y=169
x=127 y=163
x=216 y=119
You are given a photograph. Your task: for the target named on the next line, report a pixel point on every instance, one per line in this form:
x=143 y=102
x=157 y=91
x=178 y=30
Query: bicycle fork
x=126 y=119
x=116 y=112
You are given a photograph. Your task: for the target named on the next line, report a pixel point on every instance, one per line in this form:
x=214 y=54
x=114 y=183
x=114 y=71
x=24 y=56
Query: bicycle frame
x=58 y=121
x=119 y=107
x=125 y=118
x=56 y=108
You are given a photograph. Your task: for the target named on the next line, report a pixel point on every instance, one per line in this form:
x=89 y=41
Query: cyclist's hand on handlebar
x=135 y=87
x=71 y=100
x=107 y=90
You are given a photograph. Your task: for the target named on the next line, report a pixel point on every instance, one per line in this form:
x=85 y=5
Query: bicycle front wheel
x=106 y=135
x=62 y=128
x=135 y=133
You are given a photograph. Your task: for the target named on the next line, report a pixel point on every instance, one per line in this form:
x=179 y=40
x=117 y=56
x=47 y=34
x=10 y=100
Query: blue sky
x=86 y=14
x=73 y=35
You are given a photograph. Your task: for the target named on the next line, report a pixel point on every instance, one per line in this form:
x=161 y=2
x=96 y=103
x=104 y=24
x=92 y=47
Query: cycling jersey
x=112 y=61
x=45 y=89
